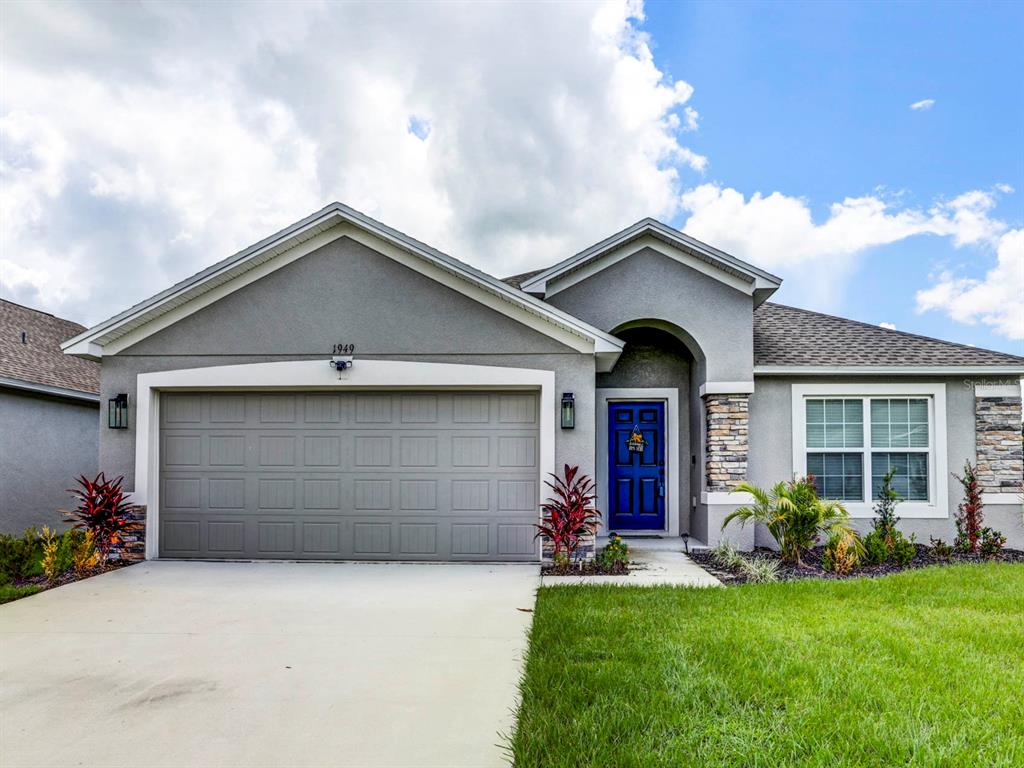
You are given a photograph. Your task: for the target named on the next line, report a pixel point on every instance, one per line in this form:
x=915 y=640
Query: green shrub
x=903 y=549
x=942 y=550
x=990 y=542
x=20 y=556
x=876 y=548
x=885 y=508
x=615 y=552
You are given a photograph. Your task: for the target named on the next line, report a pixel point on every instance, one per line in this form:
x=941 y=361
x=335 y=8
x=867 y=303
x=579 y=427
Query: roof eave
x=765 y=283
x=889 y=370
x=89 y=344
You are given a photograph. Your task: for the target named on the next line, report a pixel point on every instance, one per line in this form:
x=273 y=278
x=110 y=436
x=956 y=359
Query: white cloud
x=779 y=232
x=997 y=300
x=138 y=148
x=889 y=326
x=923 y=105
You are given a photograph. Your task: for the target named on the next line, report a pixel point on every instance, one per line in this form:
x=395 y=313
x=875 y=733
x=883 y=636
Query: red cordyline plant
x=969 y=513
x=570 y=515
x=102 y=509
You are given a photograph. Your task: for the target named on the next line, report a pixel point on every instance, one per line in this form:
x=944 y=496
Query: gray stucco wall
x=655 y=359
x=771 y=451
x=345 y=292
x=45 y=443
x=649 y=285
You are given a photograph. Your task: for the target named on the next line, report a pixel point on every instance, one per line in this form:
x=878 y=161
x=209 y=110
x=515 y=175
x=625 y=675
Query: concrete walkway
x=653 y=562
x=266 y=664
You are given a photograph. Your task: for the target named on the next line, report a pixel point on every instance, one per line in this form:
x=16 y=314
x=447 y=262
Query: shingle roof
x=790 y=336
x=516 y=281
x=38 y=359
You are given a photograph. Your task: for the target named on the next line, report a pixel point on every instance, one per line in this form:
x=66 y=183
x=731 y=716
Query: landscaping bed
x=586 y=568
x=814 y=569
x=19 y=588
x=918 y=668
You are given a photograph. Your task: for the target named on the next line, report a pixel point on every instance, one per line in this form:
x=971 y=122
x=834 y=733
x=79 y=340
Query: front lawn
x=922 y=668
x=10 y=593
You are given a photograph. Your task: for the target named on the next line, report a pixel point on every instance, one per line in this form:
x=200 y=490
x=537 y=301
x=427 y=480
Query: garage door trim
x=387 y=375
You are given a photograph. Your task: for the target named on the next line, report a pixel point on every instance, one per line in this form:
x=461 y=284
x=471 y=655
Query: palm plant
x=793 y=515
x=569 y=516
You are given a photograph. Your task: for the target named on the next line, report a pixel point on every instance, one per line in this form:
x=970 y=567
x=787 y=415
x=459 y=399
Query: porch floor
x=653 y=562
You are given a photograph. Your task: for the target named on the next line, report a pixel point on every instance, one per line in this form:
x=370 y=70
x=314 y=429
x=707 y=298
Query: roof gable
x=673 y=243
x=303 y=237
x=787 y=338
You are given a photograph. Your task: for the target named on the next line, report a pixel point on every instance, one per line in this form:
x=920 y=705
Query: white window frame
x=937 y=505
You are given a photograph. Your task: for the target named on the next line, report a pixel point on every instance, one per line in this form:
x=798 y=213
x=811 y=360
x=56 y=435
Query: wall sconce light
x=117 y=412
x=568 y=411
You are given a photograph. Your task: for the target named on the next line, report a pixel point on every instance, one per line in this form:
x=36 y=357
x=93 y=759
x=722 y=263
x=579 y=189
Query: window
x=841 y=446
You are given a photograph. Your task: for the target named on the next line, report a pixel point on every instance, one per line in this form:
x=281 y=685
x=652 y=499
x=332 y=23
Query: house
x=340 y=390
x=49 y=418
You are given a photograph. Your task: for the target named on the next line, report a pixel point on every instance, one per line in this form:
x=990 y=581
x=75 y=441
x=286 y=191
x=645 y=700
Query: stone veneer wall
x=1000 y=449
x=727 y=441
x=131 y=545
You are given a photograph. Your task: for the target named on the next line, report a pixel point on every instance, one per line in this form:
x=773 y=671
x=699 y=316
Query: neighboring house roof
x=30 y=354
x=215 y=281
x=761 y=284
x=787 y=338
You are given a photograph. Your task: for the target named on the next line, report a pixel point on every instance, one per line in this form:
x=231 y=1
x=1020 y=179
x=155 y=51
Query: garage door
x=410 y=476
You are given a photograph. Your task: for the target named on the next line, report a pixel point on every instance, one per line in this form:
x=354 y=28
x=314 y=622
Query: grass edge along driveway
x=922 y=668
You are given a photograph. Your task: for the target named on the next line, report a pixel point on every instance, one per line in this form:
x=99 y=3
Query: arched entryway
x=653 y=392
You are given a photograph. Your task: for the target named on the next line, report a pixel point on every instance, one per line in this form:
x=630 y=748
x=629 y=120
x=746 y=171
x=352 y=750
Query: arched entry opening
x=653 y=392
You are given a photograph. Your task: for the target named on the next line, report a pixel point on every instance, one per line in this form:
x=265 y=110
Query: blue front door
x=636 y=478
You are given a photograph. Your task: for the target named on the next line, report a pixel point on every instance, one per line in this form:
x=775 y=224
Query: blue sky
x=137 y=148
x=811 y=99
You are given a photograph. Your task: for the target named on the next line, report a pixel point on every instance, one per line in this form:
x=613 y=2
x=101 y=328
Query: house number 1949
x=344 y=349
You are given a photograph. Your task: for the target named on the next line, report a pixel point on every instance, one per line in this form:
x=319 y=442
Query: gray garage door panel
x=421 y=476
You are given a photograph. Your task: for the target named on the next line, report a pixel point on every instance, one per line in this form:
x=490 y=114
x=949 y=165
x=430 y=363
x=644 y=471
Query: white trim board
x=305 y=236
x=1000 y=499
x=762 y=284
x=318 y=375
x=672 y=449
x=938 y=471
x=997 y=390
x=726 y=388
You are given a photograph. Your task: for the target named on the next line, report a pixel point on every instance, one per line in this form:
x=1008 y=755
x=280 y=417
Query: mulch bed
x=584 y=568
x=69 y=576
x=813 y=569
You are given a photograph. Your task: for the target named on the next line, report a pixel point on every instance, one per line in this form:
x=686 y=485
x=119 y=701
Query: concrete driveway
x=266 y=664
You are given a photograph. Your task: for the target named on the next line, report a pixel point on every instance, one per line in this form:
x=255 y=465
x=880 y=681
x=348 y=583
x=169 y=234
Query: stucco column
x=727 y=441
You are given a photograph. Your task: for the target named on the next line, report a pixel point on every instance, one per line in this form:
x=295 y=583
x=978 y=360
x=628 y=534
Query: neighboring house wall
x=347 y=293
x=771 y=451
x=45 y=443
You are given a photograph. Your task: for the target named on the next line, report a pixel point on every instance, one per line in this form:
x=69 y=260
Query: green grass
x=9 y=592
x=924 y=668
